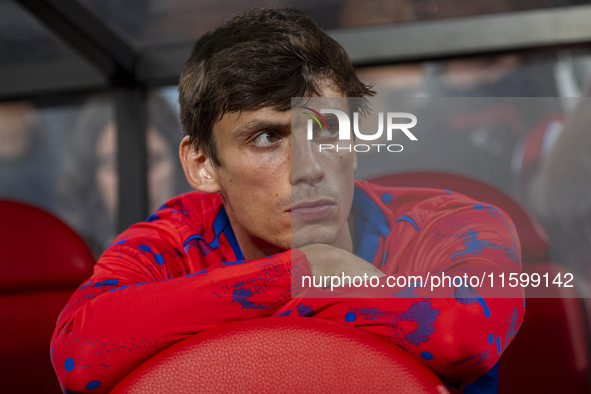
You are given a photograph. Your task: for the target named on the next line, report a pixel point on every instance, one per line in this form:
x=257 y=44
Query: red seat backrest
x=42 y=262
x=282 y=355
x=550 y=353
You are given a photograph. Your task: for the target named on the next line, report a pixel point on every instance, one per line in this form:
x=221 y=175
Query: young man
x=225 y=252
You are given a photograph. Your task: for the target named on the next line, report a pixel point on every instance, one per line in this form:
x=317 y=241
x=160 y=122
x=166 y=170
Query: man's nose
x=306 y=165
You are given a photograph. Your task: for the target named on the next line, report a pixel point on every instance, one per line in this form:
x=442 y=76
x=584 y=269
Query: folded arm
x=129 y=310
x=460 y=333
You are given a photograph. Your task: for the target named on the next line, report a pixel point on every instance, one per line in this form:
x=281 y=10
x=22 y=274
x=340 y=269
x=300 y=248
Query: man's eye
x=266 y=139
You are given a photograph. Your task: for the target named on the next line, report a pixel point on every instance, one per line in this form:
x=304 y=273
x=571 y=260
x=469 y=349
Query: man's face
x=279 y=191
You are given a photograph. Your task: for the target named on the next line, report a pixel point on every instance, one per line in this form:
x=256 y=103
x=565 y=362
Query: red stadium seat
x=550 y=352
x=43 y=261
x=282 y=355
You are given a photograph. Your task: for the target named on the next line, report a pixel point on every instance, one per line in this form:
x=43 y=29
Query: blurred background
x=89 y=127
x=89 y=124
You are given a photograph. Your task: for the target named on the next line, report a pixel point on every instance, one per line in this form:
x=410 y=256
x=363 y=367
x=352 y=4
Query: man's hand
x=326 y=260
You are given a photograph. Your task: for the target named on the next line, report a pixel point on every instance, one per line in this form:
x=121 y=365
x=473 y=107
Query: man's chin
x=306 y=237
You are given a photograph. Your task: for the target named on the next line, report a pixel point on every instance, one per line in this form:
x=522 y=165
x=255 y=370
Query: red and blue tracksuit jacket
x=182 y=272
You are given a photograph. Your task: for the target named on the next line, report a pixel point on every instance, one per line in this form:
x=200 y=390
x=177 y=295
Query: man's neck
x=255 y=248
x=345 y=238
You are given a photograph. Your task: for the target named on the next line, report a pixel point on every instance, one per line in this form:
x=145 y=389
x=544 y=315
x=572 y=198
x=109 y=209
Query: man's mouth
x=312 y=210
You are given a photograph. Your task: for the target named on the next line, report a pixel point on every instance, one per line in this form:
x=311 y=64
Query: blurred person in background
x=475 y=108
x=475 y=137
x=557 y=186
x=28 y=165
x=16 y=122
x=89 y=185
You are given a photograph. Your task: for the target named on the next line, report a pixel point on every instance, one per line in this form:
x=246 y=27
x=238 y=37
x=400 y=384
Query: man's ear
x=199 y=171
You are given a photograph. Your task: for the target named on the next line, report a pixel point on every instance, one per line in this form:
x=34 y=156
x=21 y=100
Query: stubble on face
x=257 y=189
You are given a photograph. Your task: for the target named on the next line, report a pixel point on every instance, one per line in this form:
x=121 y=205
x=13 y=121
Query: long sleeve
x=459 y=333
x=459 y=340
x=169 y=278
x=114 y=323
x=176 y=274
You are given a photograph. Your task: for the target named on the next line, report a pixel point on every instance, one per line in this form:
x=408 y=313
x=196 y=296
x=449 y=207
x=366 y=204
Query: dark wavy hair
x=262 y=57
